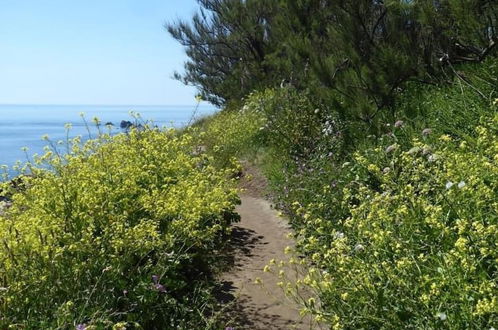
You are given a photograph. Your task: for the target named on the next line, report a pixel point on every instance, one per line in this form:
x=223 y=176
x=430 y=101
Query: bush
x=453 y=108
x=230 y=134
x=412 y=236
x=295 y=126
x=386 y=243
x=121 y=230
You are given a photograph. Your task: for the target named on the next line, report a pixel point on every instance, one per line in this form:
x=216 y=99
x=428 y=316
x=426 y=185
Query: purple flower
x=426 y=132
x=398 y=124
x=160 y=288
x=157 y=286
x=81 y=327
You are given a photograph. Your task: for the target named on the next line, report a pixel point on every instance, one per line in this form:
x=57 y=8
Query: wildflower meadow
x=118 y=231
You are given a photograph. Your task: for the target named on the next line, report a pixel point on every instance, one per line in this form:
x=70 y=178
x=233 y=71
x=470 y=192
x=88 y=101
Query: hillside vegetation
x=378 y=134
x=399 y=230
x=376 y=125
x=118 y=232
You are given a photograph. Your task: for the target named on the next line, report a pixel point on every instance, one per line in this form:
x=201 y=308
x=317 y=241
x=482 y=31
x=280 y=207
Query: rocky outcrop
x=126 y=124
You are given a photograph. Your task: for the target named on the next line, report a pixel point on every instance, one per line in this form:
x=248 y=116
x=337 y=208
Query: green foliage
x=352 y=55
x=381 y=147
x=401 y=231
x=415 y=243
x=227 y=42
x=452 y=108
x=120 y=230
x=229 y=135
x=295 y=125
x=367 y=50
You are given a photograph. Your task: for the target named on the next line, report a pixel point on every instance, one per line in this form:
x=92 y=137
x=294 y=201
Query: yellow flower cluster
x=114 y=226
x=419 y=245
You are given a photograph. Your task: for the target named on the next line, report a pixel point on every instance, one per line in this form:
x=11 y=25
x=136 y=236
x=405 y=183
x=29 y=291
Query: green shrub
x=295 y=126
x=230 y=134
x=387 y=245
x=412 y=239
x=453 y=108
x=121 y=230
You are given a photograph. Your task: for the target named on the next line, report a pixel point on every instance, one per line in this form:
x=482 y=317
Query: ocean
x=24 y=125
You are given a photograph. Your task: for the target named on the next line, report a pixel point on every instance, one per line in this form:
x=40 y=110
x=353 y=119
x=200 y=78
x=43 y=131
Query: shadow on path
x=260 y=236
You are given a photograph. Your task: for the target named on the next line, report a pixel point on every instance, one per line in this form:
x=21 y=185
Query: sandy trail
x=260 y=236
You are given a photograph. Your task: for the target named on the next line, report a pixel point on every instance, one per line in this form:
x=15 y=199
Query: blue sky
x=91 y=52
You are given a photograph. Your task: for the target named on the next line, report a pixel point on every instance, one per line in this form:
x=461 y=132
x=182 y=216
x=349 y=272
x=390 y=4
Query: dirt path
x=259 y=237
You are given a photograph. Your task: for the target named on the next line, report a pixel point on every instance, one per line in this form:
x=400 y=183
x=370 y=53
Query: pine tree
x=227 y=43
x=362 y=52
x=354 y=55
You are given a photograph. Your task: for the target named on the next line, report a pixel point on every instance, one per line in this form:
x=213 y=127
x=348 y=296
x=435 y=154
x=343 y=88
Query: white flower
x=339 y=235
x=386 y=170
x=358 y=248
x=442 y=316
x=432 y=158
x=391 y=148
x=426 y=131
x=449 y=184
x=461 y=184
x=413 y=150
x=398 y=123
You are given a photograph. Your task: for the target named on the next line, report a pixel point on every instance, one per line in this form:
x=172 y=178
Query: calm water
x=24 y=125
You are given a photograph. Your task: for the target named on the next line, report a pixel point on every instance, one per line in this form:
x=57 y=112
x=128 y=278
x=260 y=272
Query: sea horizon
x=23 y=125
x=107 y=105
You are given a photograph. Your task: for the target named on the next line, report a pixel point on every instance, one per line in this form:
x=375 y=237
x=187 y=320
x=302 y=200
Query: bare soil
x=260 y=236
